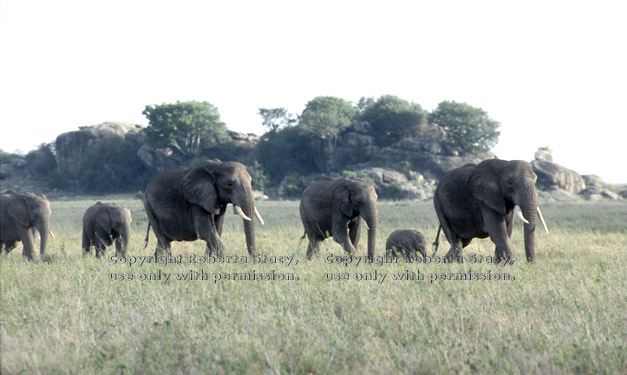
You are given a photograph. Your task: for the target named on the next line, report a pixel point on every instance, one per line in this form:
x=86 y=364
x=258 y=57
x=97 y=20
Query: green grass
x=564 y=314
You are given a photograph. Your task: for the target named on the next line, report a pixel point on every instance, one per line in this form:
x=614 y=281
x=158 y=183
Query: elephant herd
x=186 y=204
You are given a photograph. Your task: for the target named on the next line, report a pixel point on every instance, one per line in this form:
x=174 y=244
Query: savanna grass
x=566 y=313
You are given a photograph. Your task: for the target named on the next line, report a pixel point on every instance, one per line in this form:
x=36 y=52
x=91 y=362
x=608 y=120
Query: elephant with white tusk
x=478 y=201
x=186 y=204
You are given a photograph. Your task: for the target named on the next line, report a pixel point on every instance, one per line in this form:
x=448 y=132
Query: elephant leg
x=86 y=244
x=497 y=228
x=354 y=231
x=340 y=235
x=314 y=245
x=163 y=246
x=26 y=235
x=219 y=223
x=207 y=231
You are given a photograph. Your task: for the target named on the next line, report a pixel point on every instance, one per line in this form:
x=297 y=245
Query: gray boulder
x=553 y=176
x=545 y=154
x=597 y=189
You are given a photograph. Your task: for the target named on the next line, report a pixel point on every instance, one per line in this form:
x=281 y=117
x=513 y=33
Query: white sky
x=552 y=72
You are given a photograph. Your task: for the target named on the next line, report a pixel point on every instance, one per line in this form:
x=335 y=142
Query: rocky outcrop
x=392 y=184
x=552 y=176
x=159 y=159
x=597 y=189
x=431 y=158
x=9 y=168
x=71 y=147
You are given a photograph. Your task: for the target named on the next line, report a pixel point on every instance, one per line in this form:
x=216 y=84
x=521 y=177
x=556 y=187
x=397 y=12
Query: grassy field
x=564 y=314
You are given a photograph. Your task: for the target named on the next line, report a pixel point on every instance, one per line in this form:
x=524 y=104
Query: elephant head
x=26 y=211
x=500 y=184
x=215 y=184
x=354 y=197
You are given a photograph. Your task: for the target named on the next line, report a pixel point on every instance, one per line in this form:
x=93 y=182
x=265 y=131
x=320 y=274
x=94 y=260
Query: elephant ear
x=103 y=218
x=484 y=184
x=19 y=211
x=198 y=187
x=342 y=199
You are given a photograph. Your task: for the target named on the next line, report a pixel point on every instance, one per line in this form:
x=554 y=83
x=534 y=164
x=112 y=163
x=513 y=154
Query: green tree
x=185 y=126
x=469 y=127
x=285 y=151
x=326 y=116
x=392 y=118
x=276 y=118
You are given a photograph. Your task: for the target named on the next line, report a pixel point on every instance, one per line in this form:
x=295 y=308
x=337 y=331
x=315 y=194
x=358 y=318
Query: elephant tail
x=147 y=236
x=436 y=243
x=302 y=238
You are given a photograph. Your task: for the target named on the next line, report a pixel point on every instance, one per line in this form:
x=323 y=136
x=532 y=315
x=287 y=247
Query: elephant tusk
x=258 y=216
x=542 y=220
x=520 y=216
x=52 y=235
x=238 y=211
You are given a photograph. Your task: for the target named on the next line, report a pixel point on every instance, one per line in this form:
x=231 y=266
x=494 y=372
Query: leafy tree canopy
x=276 y=118
x=469 y=127
x=185 y=126
x=326 y=116
x=285 y=151
x=392 y=118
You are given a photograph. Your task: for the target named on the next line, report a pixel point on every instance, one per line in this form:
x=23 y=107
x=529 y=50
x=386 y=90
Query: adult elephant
x=104 y=223
x=335 y=208
x=477 y=201
x=184 y=204
x=20 y=215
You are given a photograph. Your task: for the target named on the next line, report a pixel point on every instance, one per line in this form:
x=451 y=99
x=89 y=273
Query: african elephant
x=20 y=215
x=407 y=243
x=186 y=204
x=335 y=208
x=477 y=201
x=104 y=223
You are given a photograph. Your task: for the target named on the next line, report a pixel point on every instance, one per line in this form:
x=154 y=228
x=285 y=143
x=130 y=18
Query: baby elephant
x=406 y=243
x=102 y=224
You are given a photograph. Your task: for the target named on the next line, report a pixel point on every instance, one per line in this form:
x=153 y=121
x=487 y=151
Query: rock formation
x=72 y=147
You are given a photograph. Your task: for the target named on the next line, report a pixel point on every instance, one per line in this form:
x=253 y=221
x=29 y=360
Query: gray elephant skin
x=186 y=204
x=478 y=201
x=104 y=223
x=407 y=243
x=335 y=208
x=21 y=214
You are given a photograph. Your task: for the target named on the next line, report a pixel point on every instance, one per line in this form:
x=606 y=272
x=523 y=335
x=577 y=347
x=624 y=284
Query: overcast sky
x=553 y=73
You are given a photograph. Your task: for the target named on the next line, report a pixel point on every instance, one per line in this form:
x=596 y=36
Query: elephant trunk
x=43 y=228
x=369 y=214
x=529 y=208
x=125 y=237
x=248 y=208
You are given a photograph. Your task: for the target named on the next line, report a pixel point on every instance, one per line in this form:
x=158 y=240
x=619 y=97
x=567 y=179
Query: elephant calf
x=407 y=243
x=104 y=223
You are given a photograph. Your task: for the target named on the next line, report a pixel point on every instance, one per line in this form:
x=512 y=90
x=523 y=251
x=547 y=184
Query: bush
x=112 y=166
x=42 y=162
x=293 y=184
